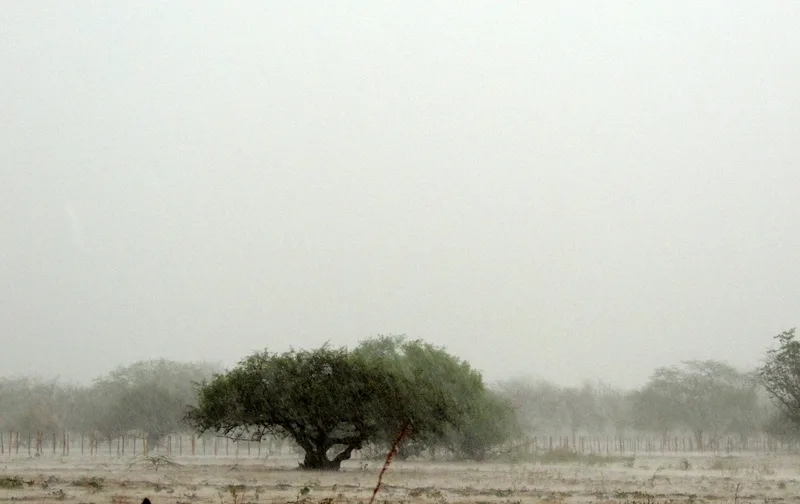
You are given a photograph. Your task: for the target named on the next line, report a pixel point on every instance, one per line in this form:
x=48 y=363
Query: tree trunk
x=698 y=437
x=317 y=459
x=153 y=441
x=314 y=460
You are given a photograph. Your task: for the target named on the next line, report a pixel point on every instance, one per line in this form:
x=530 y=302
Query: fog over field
x=566 y=190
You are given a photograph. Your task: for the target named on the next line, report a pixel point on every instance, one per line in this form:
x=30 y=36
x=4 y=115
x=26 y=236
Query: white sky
x=564 y=189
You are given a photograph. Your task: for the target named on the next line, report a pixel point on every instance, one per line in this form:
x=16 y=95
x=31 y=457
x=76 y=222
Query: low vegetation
x=332 y=401
x=328 y=403
x=562 y=479
x=92 y=482
x=562 y=456
x=11 y=482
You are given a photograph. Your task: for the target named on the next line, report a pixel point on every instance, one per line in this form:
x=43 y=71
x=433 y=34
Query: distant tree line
x=145 y=398
x=329 y=402
x=708 y=399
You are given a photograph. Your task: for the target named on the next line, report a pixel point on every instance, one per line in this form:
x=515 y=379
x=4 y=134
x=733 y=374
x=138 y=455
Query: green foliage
x=537 y=403
x=779 y=425
x=322 y=399
x=175 y=378
x=29 y=405
x=710 y=398
x=543 y=407
x=149 y=408
x=95 y=483
x=580 y=409
x=780 y=375
x=9 y=482
x=489 y=421
x=463 y=416
x=147 y=396
x=653 y=409
x=615 y=407
x=332 y=401
x=432 y=383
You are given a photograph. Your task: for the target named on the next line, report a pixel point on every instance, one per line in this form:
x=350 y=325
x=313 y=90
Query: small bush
x=430 y=492
x=634 y=496
x=563 y=456
x=723 y=463
x=94 y=483
x=11 y=482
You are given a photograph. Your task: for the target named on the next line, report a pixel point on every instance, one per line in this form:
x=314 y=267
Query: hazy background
x=559 y=189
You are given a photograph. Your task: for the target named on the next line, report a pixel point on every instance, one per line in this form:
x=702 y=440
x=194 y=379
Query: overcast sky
x=566 y=190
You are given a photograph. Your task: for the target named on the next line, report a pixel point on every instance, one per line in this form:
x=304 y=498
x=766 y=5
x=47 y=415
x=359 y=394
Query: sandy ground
x=737 y=478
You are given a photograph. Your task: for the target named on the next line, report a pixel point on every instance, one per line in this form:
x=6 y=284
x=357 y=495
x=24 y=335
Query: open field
x=694 y=478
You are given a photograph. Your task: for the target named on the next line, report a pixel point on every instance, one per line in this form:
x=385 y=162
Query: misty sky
x=560 y=189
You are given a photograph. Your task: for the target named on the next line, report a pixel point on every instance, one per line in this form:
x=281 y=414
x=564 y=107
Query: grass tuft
x=564 y=456
x=11 y=482
x=94 y=483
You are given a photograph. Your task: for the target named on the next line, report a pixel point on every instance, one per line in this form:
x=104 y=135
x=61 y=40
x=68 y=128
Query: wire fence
x=181 y=445
x=73 y=445
x=661 y=445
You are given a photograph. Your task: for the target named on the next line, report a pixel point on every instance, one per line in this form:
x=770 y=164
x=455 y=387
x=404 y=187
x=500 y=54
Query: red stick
x=389 y=456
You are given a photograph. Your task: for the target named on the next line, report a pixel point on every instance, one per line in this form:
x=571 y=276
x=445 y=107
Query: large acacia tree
x=330 y=401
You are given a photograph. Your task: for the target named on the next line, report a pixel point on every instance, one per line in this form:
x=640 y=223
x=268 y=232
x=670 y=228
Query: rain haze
x=564 y=190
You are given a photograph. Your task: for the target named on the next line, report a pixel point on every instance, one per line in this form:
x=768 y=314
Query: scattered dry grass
x=93 y=483
x=559 y=478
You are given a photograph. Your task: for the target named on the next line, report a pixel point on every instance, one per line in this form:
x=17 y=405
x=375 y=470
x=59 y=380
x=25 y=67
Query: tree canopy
x=331 y=401
x=710 y=398
x=780 y=375
x=150 y=396
x=31 y=405
x=485 y=419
